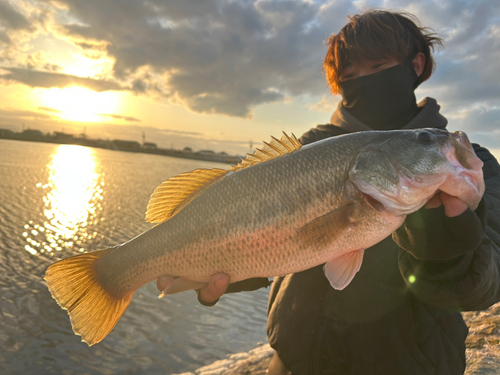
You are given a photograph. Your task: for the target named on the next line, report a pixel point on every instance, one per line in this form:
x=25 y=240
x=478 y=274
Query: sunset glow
x=219 y=75
x=81 y=66
x=72 y=201
x=79 y=104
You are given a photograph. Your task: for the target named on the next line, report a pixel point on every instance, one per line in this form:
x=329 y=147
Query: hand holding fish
x=284 y=209
x=445 y=230
x=455 y=203
x=457 y=198
x=453 y=206
x=450 y=226
x=207 y=296
x=216 y=287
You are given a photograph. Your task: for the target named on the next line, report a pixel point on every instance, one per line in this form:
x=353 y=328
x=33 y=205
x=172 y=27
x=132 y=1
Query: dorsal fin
x=271 y=150
x=174 y=194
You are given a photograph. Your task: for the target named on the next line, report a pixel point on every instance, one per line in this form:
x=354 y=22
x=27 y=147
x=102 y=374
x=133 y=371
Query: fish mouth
x=370 y=199
x=408 y=195
x=375 y=204
x=461 y=154
x=463 y=139
x=379 y=207
x=396 y=207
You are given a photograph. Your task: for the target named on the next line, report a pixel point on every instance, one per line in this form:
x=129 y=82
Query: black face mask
x=383 y=100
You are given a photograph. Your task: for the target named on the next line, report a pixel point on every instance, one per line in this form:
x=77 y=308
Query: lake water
x=59 y=200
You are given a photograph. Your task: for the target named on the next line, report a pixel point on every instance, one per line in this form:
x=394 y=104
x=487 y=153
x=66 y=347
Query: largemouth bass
x=284 y=209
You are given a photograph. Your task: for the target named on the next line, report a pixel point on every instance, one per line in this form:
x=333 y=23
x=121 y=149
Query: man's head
x=376 y=35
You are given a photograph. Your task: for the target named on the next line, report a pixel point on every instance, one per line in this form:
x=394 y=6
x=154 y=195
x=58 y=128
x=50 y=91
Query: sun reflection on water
x=71 y=203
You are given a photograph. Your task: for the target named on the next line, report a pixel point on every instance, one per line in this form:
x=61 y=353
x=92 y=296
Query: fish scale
x=284 y=209
x=222 y=206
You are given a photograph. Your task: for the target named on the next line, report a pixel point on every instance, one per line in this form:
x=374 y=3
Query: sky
x=219 y=74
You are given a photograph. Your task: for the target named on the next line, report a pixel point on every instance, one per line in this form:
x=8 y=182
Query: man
x=400 y=314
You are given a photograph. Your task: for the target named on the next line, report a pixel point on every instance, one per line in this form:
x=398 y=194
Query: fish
x=283 y=209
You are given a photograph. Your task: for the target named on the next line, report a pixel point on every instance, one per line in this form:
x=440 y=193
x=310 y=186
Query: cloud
x=228 y=57
x=36 y=78
x=20 y=22
x=12 y=19
x=220 y=57
x=37 y=61
x=486 y=119
x=327 y=104
x=11 y=113
x=120 y=117
x=4 y=38
x=47 y=109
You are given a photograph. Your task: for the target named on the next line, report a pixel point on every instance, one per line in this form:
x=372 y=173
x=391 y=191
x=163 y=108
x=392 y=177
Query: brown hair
x=378 y=34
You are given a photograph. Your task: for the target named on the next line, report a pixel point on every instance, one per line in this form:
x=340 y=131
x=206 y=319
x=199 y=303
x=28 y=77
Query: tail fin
x=75 y=286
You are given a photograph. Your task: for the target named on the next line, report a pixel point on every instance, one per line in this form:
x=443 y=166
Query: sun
x=79 y=104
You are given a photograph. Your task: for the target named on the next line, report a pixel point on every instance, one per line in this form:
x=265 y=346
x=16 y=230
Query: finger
x=434 y=202
x=452 y=205
x=216 y=288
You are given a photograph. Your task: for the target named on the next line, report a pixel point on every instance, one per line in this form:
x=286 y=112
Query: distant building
x=187 y=149
x=205 y=152
x=63 y=137
x=149 y=146
x=118 y=144
x=98 y=143
x=6 y=133
x=32 y=133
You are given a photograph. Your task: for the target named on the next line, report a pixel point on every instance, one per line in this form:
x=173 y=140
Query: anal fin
x=180 y=284
x=340 y=271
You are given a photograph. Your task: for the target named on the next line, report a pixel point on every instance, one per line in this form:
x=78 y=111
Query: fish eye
x=425 y=137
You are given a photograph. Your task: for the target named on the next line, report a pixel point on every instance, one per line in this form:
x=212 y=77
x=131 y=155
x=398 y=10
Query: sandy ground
x=483 y=350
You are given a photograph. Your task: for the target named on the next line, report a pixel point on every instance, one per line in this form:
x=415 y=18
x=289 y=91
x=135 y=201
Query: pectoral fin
x=340 y=271
x=326 y=228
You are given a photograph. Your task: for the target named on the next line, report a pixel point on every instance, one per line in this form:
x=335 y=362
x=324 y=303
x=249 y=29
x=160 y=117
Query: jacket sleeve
x=471 y=280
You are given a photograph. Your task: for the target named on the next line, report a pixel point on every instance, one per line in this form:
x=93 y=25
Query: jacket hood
x=428 y=117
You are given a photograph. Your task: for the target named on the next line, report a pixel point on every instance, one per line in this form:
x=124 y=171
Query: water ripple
x=56 y=201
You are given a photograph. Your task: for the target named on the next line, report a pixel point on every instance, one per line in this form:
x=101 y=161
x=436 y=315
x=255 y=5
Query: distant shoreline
x=119 y=145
